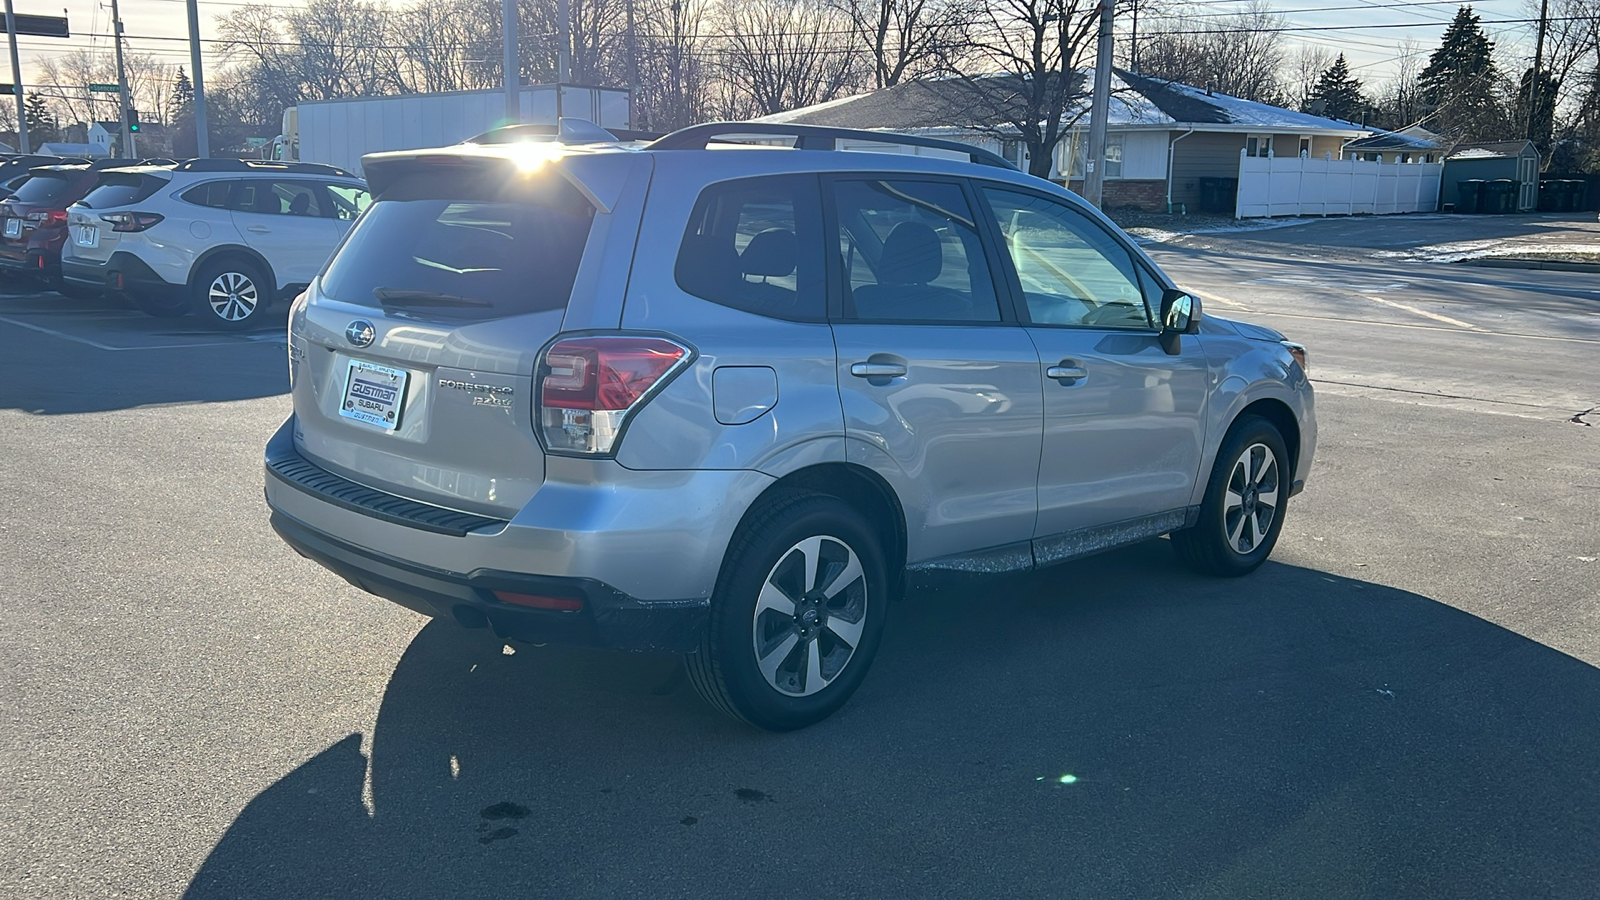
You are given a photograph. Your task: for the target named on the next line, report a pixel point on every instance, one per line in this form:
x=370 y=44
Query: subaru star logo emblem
x=360 y=332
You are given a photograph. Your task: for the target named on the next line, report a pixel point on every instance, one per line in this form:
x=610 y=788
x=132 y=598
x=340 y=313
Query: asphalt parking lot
x=1400 y=704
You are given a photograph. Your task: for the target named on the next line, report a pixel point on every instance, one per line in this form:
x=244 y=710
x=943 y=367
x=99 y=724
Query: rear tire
x=1242 y=513
x=796 y=617
x=229 y=293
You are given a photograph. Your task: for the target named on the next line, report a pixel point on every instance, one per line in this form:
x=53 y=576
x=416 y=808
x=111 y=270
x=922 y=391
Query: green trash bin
x=1573 y=195
x=1552 y=193
x=1500 y=196
x=1469 y=194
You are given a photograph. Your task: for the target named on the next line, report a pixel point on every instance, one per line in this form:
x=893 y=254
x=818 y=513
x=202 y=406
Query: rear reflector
x=539 y=601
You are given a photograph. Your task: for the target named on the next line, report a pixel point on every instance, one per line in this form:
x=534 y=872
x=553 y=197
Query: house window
x=1016 y=153
x=1258 y=145
x=1080 y=155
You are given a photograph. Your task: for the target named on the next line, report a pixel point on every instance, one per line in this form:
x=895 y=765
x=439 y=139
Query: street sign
x=106 y=88
x=9 y=89
x=42 y=26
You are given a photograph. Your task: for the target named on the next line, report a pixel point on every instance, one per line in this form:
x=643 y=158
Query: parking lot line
x=99 y=346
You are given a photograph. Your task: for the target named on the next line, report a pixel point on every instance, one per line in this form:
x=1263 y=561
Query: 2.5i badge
x=374 y=394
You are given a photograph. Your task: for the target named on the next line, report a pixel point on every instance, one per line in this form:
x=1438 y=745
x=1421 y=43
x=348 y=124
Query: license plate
x=374 y=394
x=86 y=235
x=13 y=228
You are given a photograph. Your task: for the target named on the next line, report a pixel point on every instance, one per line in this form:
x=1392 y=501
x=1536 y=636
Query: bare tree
x=1399 y=100
x=1309 y=62
x=149 y=80
x=674 y=80
x=327 y=49
x=1020 y=76
x=906 y=38
x=779 y=55
x=1241 y=55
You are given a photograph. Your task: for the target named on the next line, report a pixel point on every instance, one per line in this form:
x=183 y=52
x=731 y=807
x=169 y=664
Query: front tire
x=796 y=617
x=1242 y=513
x=229 y=294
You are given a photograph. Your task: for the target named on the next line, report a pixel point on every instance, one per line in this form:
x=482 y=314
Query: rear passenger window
x=213 y=194
x=911 y=253
x=755 y=245
x=279 y=198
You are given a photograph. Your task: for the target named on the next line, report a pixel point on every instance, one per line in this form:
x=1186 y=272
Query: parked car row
x=219 y=238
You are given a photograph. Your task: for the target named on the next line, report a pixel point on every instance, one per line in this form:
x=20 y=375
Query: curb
x=1554 y=265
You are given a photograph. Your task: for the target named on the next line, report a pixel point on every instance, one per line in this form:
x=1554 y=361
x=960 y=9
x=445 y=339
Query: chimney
x=1208 y=89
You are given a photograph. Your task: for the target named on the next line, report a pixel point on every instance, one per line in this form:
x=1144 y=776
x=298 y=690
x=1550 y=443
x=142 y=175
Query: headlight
x=1298 y=351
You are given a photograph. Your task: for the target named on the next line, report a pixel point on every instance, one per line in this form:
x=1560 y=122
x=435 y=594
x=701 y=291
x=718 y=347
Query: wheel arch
x=860 y=488
x=1282 y=418
x=239 y=251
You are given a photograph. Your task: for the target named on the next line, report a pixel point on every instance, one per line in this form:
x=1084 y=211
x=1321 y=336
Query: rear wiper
x=402 y=297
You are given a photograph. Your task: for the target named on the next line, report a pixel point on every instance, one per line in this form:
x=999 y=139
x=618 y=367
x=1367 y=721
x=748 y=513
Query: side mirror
x=1180 y=315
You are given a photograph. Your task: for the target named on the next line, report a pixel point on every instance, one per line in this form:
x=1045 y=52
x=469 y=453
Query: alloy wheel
x=233 y=296
x=810 y=616
x=1251 y=500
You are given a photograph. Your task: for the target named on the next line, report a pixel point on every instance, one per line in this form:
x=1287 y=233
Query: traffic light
x=133 y=119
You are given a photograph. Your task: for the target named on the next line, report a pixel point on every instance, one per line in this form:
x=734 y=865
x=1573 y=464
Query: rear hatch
x=49 y=189
x=98 y=221
x=413 y=354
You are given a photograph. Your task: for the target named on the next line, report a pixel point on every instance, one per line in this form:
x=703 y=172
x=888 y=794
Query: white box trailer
x=340 y=132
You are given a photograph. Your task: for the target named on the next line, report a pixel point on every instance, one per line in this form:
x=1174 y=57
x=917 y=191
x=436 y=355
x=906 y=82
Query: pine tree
x=1340 y=92
x=42 y=127
x=1458 y=85
x=181 y=115
x=182 y=91
x=1534 y=108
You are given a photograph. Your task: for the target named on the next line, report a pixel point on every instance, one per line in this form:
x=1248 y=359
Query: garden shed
x=1497 y=160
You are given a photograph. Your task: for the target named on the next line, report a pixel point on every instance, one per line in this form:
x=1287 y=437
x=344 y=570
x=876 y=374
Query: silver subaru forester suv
x=720 y=399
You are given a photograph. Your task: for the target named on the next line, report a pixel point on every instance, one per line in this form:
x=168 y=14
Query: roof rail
x=229 y=164
x=817 y=137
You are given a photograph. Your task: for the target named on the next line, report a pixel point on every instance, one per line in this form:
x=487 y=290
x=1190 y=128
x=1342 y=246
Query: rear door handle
x=877 y=370
x=1067 y=373
x=259 y=229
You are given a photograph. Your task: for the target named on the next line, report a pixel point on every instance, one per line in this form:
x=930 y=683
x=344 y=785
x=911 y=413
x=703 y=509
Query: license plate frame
x=86 y=236
x=13 y=227
x=374 y=395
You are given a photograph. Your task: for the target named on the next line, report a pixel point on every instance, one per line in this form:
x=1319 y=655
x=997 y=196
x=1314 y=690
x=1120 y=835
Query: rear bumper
x=641 y=549
x=122 y=272
x=609 y=618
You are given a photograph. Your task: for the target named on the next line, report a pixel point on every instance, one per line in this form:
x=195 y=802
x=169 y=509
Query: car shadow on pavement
x=1110 y=728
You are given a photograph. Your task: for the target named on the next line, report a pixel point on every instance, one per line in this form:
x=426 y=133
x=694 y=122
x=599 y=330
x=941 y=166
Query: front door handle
x=259 y=229
x=1067 y=373
x=877 y=370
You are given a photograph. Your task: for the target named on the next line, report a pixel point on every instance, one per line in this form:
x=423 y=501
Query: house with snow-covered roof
x=1168 y=145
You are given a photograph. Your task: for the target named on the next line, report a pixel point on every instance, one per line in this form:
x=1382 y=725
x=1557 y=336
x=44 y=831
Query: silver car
x=719 y=399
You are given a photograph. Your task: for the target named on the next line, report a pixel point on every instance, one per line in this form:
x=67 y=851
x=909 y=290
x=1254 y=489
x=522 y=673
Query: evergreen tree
x=1534 y=108
x=182 y=91
x=1458 y=85
x=42 y=127
x=1340 y=92
x=181 y=115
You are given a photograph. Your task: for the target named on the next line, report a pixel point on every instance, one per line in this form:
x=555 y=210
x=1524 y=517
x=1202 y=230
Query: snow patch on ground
x=1458 y=251
x=1163 y=236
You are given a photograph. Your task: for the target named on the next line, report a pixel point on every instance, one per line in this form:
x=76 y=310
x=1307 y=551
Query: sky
x=160 y=27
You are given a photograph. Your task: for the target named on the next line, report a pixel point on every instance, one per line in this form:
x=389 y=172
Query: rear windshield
x=464 y=247
x=122 y=189
x=43 y=188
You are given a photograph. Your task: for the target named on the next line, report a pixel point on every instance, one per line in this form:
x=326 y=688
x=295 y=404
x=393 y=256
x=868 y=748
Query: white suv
x=222 y=238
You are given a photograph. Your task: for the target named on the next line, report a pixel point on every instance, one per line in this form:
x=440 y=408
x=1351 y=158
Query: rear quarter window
x=213 y=194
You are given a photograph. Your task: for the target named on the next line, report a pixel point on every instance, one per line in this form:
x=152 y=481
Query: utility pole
x=633 y=68
x=564 y=52
x=512 y=62
x=1538 y=65
x=1133 y=41
x=16 y=81
x=122 y=84
x=1094 y=171
x=202 y=141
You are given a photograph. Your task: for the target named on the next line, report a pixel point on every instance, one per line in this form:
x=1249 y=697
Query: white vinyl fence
x=1307 y=186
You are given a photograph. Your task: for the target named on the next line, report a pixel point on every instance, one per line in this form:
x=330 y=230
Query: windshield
x=121 y=189
x=43 y=188
x=472 y=254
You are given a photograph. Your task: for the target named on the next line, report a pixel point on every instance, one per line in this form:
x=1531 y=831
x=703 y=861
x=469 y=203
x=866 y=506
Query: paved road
x=1401 y=704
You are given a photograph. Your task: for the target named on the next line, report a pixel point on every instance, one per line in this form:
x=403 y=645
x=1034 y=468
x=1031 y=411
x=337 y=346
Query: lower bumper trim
x=609 y=618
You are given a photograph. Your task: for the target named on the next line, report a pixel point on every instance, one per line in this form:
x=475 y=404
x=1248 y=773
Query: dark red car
x=33 y=221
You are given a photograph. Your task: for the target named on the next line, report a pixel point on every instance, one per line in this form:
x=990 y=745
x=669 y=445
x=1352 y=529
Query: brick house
x=1162 y=138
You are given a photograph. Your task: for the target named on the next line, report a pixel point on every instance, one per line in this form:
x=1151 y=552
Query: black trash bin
x=1219 y=195
x=1469 y=194
x=1500 y=196
x=1551 y=194
x=1573 y=195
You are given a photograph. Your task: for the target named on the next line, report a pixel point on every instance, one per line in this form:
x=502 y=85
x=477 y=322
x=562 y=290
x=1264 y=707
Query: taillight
x=47 y=217
x=590 y=386
x=131 y=221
